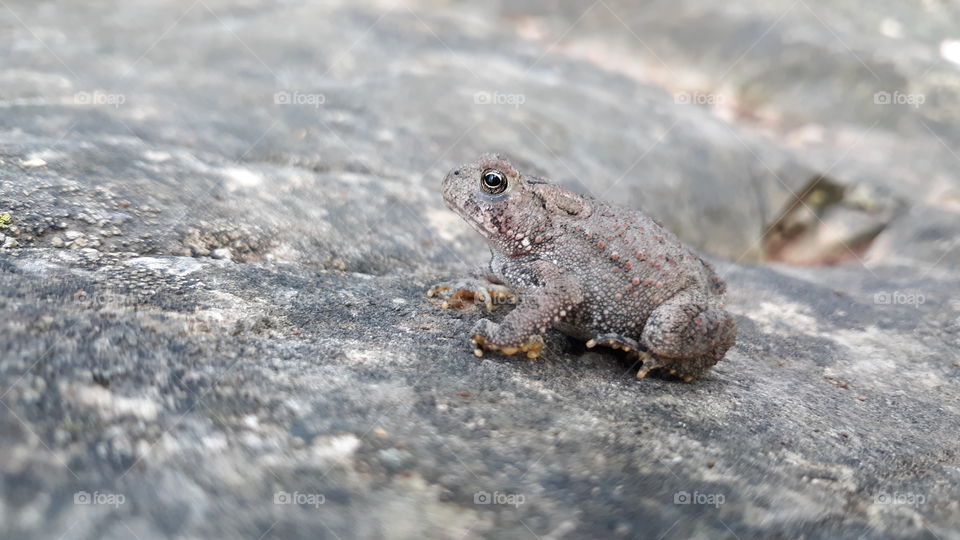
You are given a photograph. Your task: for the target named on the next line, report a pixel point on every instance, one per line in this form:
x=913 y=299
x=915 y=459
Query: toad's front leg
x=547 y=297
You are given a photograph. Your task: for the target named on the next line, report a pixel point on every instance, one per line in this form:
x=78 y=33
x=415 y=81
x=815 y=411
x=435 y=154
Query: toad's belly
x=593 y=319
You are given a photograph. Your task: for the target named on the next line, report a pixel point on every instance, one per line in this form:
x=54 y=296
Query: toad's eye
x=493 y=181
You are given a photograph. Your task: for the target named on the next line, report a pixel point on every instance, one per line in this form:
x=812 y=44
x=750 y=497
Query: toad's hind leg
x=685 y=338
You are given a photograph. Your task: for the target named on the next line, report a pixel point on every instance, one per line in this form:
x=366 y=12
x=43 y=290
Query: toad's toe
x=532 y=347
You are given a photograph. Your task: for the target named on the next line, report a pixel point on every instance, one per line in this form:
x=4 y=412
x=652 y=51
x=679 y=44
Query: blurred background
x=218 y=218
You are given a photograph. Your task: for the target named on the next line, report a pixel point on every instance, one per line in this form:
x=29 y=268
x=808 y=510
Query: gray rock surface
x=223 y=218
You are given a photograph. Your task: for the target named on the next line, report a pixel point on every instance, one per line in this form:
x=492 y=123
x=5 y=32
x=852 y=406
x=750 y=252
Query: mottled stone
x=290 y=395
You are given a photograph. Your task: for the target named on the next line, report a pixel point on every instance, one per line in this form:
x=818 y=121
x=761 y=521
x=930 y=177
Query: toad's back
x=627 y=265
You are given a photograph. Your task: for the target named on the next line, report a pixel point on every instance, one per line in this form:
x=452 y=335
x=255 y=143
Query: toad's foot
x=485 y=338
x=464 y=293
x=680 y=369
x=615 y=341
x=639 y=352
x=532 y=347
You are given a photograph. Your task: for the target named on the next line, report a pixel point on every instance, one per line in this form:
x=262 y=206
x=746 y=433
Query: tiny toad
x=608 y=275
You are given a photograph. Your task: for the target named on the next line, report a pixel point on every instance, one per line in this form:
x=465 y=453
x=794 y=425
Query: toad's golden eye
x=493 y=181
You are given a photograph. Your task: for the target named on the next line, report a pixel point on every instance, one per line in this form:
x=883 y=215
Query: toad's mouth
x=473 y=215
x=480 y=224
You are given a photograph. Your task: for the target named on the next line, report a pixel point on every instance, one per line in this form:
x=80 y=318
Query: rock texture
x=219 y=220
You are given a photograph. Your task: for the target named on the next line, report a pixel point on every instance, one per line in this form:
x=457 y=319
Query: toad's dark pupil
x=493 y=181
